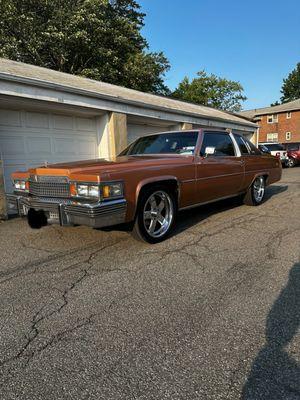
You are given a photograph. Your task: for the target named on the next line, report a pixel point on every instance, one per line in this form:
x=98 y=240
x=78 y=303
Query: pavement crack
x=39 y=317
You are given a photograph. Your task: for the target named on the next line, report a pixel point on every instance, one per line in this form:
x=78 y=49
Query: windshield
x=274 y=147
x=166 y=143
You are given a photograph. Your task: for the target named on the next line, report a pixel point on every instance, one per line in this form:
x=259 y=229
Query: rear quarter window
x=253 y=149
x=242 y=144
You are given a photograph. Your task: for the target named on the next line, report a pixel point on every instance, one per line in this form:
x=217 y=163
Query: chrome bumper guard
x=68 y=212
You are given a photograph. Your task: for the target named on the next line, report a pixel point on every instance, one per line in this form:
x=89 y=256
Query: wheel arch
x=265 y=174
x=168 y=181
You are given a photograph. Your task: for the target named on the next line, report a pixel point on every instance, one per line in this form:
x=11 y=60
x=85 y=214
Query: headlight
x=93 y=191
x=82 y=190
x=20 y=185
x=90 y=191
x=105 y=191
x=112 y=190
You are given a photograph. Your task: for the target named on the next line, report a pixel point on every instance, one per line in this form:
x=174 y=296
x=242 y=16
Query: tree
x=291 y=86
x=98 y=39
x=211 y=90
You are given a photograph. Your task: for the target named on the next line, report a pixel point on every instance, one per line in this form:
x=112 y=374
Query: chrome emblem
x=33 y=178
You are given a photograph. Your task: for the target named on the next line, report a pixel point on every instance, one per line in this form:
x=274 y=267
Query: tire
x=156 y=214
x=291 y=162
x=256 y=192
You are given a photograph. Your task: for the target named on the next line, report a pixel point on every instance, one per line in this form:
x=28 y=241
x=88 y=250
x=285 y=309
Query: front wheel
x=156 y=214
x=256 y=192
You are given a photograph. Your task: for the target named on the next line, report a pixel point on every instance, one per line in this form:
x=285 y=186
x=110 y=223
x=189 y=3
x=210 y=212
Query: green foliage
x=211 y=90
x=275 y=104
x=291 y=86
x=99 y=39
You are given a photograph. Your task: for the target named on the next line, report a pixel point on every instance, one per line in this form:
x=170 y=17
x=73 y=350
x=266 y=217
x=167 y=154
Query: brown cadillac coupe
x=147 y=184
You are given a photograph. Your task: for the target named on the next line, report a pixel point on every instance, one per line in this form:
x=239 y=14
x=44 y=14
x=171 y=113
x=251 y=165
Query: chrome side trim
x=189 y=180
x=210 y=201
x=257 y=171
x=220 y=176
x=212 y=177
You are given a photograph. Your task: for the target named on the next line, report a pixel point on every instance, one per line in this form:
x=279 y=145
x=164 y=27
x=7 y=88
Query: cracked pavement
x=212 y=313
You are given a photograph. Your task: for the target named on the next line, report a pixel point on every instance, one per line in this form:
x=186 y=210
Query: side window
x=242 y=145
x=253 y=149
x=220 y=141
x=292 y=147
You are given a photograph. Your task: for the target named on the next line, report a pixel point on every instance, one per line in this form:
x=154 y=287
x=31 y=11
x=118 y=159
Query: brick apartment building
x=278 y=123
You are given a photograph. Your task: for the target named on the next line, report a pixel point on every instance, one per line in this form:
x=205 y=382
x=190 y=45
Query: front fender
x=156 y=179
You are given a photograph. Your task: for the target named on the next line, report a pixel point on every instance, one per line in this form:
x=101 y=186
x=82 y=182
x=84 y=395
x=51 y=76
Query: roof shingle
x=117 y=93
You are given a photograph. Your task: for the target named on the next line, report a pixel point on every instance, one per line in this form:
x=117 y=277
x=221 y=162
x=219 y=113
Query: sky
x=254 y=42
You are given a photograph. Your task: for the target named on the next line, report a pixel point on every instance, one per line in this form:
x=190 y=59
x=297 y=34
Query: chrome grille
x=49 y=189
x=49 y=178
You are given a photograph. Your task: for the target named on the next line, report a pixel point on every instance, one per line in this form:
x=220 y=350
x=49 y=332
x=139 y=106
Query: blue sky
x=254 y=42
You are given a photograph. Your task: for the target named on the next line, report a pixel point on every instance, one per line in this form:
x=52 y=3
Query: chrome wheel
x=259 y=189
x=158 y=214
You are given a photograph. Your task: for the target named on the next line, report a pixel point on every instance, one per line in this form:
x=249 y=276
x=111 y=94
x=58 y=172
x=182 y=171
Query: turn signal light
x=73 y=189
x=112 y=190
x=106 y=191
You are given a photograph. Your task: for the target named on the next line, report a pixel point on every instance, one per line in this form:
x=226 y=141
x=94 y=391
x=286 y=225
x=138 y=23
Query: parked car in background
x=276 y=149
x=147 y=184
x=264 y=149
x=293 y=152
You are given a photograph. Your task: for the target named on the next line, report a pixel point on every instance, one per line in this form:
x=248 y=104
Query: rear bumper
x=68 y=212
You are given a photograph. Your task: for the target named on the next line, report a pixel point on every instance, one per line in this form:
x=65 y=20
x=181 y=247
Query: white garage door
x=137 y=130
x=28 y=139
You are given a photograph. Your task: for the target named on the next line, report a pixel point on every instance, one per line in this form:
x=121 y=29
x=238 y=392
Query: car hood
x=87 y=169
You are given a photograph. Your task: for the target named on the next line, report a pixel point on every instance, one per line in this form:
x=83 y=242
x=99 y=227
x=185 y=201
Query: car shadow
x=189 y=218
x=275 y=374
x=273 y=190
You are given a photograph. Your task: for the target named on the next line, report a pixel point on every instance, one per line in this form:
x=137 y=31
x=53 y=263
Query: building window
x=272 y=137
x=289 y=115
x=272 y=118
x=288 y=136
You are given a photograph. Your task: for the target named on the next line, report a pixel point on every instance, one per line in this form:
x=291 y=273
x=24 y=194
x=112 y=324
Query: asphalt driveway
x=212 y=313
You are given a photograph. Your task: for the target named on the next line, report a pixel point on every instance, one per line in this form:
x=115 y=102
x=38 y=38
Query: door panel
x=219 y=177
x=220 y=174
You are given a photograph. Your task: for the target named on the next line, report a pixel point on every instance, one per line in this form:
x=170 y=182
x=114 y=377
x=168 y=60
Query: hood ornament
x=46 y=164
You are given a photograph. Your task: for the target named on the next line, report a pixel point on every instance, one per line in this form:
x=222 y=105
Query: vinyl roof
x=43 y=76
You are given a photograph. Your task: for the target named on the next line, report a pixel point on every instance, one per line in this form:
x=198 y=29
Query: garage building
x=49 y=116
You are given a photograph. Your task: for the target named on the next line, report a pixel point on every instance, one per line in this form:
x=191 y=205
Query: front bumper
x=67 y=212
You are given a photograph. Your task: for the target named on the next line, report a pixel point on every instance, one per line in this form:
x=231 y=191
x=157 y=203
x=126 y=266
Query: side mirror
x=210 y=151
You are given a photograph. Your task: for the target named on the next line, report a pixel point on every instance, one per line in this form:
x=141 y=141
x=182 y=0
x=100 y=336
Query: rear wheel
x=156 y=214
x=291 y=162
x=256 y=192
